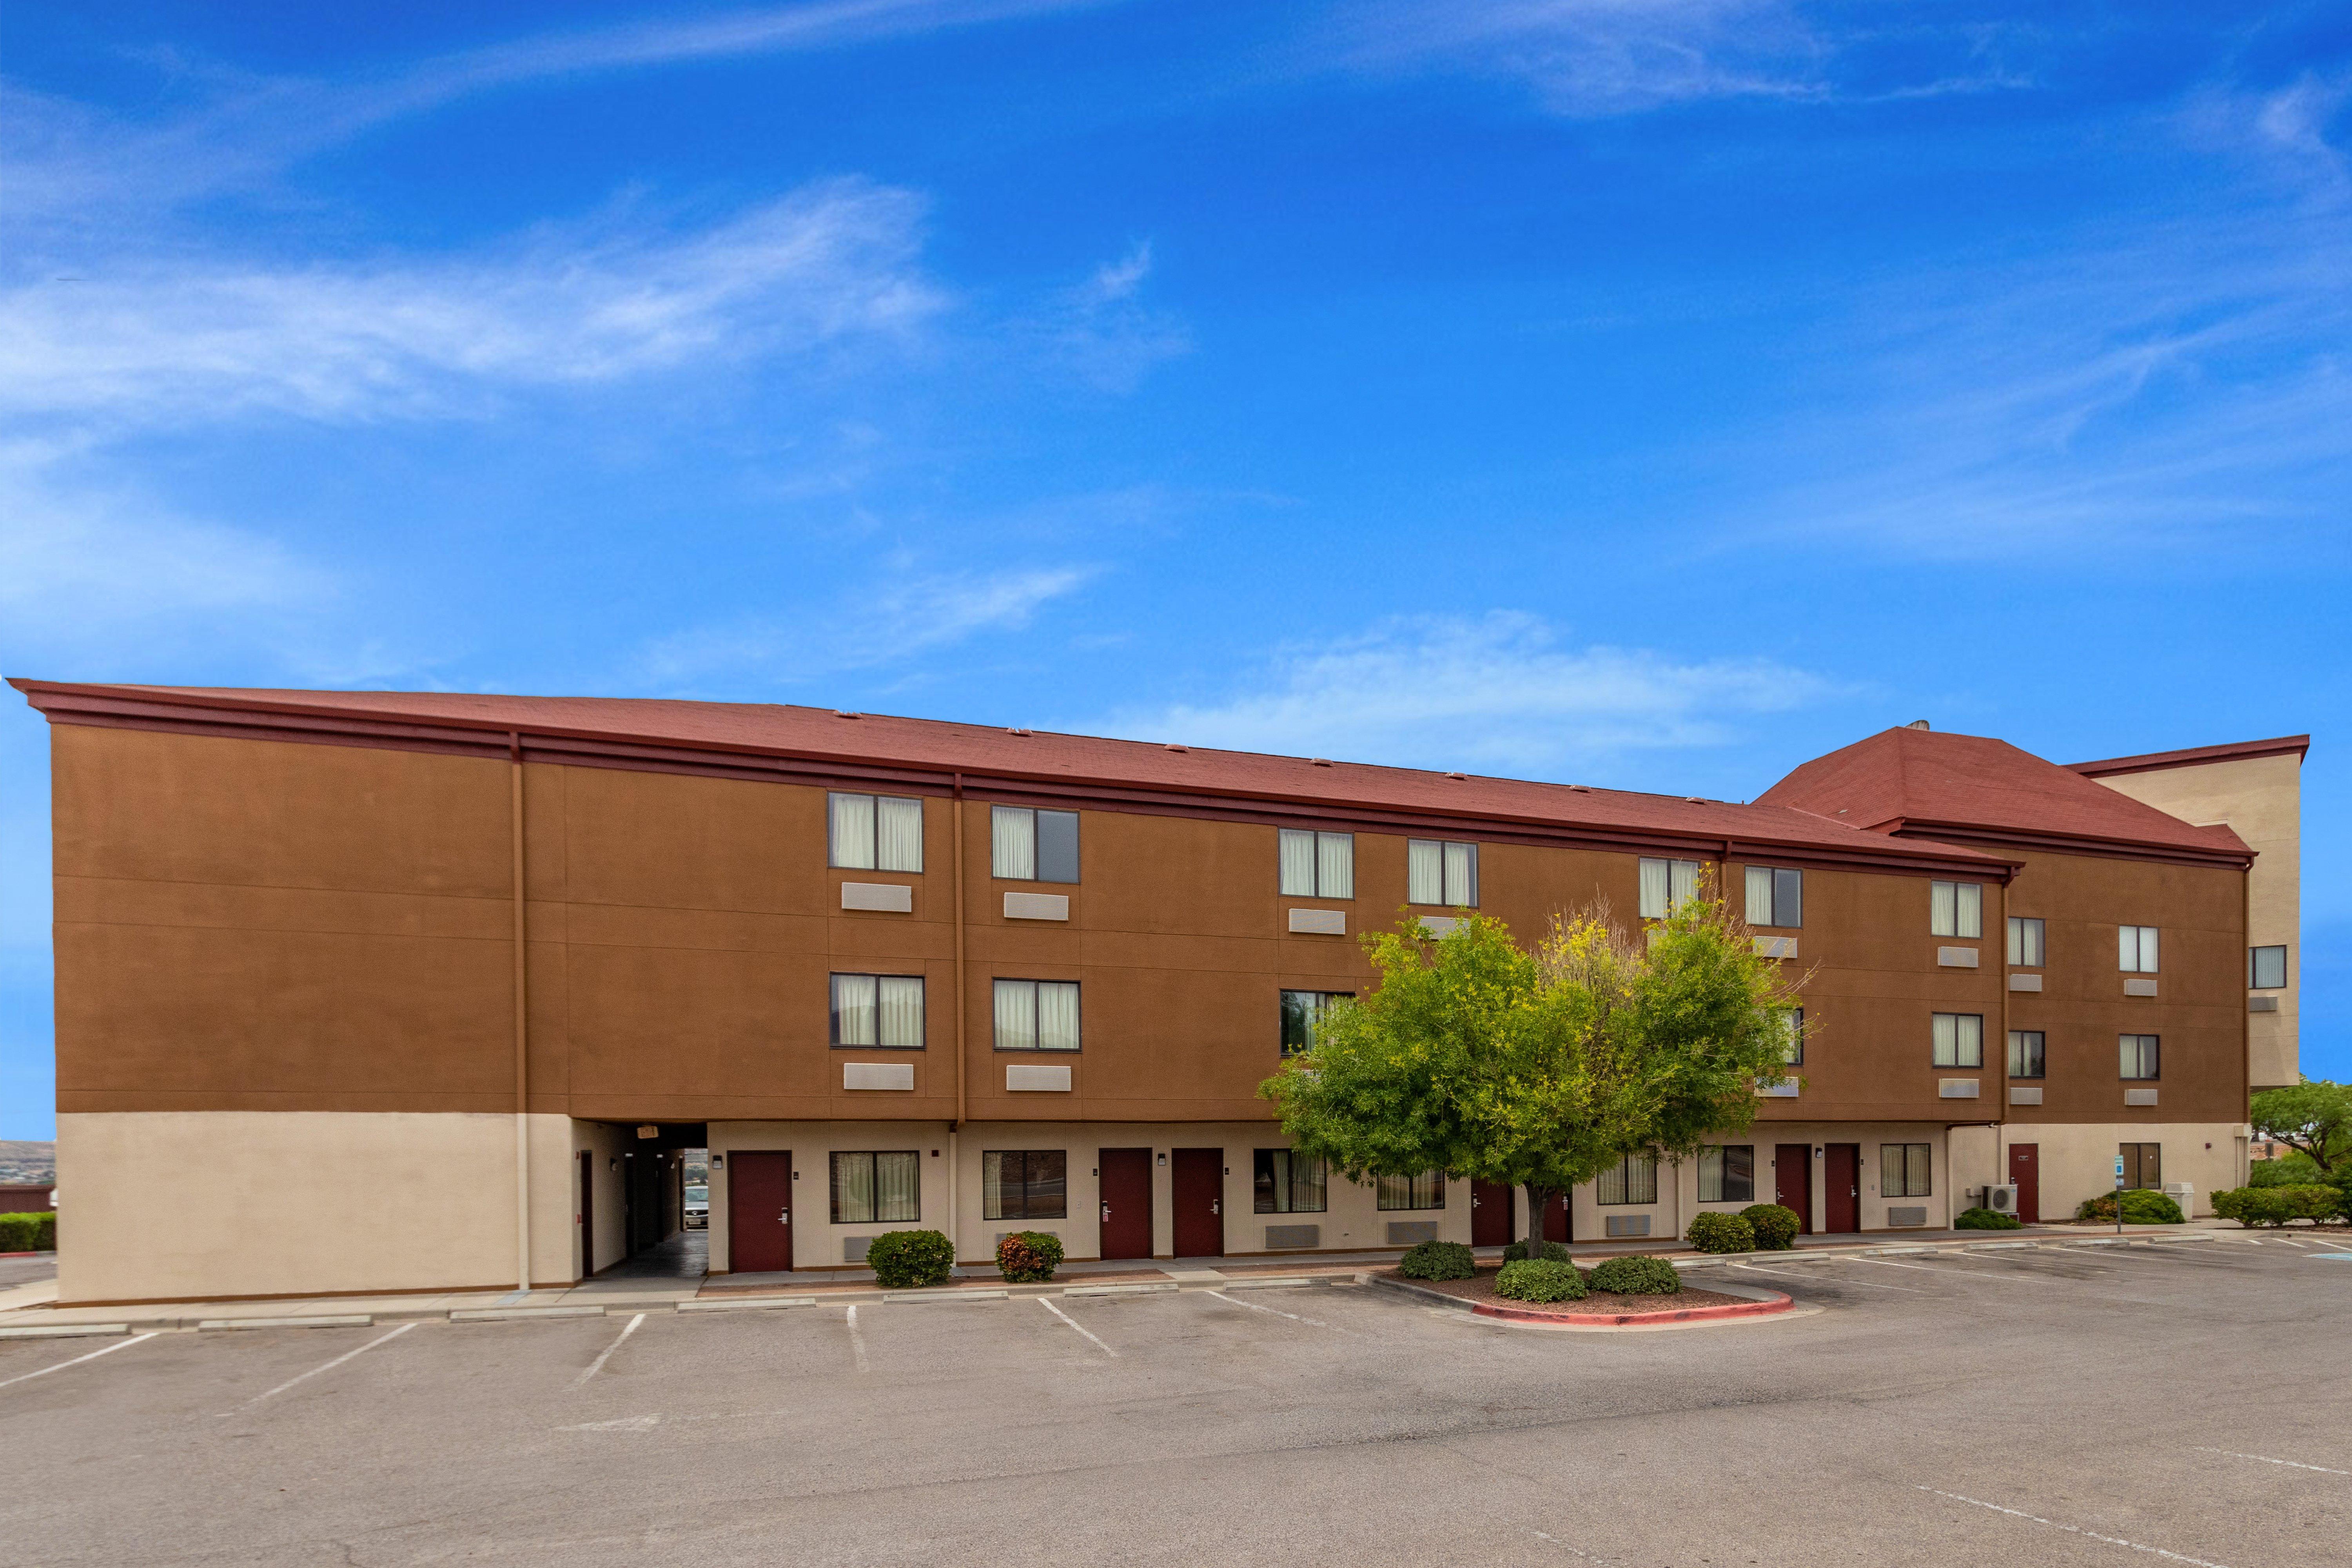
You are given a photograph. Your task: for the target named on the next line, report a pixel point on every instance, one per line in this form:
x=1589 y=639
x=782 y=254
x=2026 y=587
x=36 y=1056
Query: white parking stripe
x=1865 y=1284
x=857 y=1342
x=305 y=1378
x=1075 y=1325
x=2265 y=1458
x=117 y=1345
x=1959 y=1273
x=2075 y=1530
x=598 y=1364
x=1294 y=1316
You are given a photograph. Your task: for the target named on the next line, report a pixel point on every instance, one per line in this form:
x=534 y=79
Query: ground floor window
x=1632 y=1180
x=1425 y=1190
x=1905 y=1171
x=1025 y=1184
x=2143 y=1165
x=869 y=1188
x=2026 y=1053
x=1289 y=1183
x=1727 y=1173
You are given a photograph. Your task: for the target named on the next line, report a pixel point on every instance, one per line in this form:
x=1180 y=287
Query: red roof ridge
x=2192 y=756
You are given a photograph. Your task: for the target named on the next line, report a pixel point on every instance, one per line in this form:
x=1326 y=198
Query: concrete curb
x=353 y=1320
x=64 y=1330
x=500 y=1314
x=1768 y=1303
x=748 y=1304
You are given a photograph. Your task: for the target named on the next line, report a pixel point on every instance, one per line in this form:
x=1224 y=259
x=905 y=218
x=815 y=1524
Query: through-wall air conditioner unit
x=2002 y=1199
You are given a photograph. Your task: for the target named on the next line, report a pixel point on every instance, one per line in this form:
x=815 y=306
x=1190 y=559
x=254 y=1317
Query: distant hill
x=27 y=1162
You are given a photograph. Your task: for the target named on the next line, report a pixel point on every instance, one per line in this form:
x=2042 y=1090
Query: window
x=1904 y=1170
x=1956 y=909
x=1664 y=884
x=2143 y=1165
x=2265 y=968
x=1317 y=864
x=2136 y=949
x=1793 y=1028
x=1439 y=871
x=1727 y=1173
x=2026 y=1058
x=1285 y=1182
x=1302 y=1012
x=1036 y=1014
x=1025 y=1184
x=873 y=833
x=869 y=1189
x=881 y=1011
x=1959 y=1040
x=1776 y=897
x=1425 y=1190
x=2025 y=949
x=1633 y=1179
x=1025 y=846
x=2141 y=1056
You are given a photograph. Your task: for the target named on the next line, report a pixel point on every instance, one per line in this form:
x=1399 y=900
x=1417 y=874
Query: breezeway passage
x=2045 y=1405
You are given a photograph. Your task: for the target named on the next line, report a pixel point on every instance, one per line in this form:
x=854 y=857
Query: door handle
x=785 y=1218
x=1105 y=1212
x=1215 y=1207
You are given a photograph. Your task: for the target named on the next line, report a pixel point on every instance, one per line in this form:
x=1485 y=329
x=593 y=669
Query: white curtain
x=898 y=1186
x=1012 y=843
x=901 y=834
x=1335 y=865
x=1016 y=1016
x=2148 y=949
x=852 y=831
x=852 y=1010
x=1971 y=910
x=1308 y=1181
x=1943 y=908
x=1968 y=1039
x=1609 y=1187
x=991 y=1183
x=1424 y=871
x=1642 y=1178
x=853 y=1189
x=1058 y=1016
x=1461 y=876
x=1917 y=1182
x=901 y=1010
x=1710 y=1173
x=1947 y=1039
x=1297 y=863
x=1760 y=896
x=1654 y=897
x=1684 y=880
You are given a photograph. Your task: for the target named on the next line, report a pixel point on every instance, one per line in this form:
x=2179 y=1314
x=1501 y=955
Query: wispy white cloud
x=1499 y=691
x=1104 y=331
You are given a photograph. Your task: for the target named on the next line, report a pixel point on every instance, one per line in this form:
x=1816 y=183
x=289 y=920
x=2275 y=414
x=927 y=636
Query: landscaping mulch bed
x=1481 y=1289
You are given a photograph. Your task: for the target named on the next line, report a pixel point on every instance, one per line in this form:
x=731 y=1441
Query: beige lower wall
x=2077 y=1159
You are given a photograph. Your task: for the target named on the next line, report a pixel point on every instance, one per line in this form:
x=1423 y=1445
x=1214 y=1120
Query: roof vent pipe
x=1917 y=725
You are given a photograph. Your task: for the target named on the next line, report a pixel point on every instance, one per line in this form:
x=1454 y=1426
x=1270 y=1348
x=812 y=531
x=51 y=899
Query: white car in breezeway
x=697 y=1206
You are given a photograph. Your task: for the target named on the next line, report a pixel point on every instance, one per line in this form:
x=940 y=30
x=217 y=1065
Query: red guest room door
x=1792 y=1182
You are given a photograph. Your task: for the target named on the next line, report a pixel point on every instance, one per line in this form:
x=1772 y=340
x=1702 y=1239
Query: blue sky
x=1642 y=393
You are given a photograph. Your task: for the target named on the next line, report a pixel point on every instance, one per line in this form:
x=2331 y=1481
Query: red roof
x=2233 y=751
x=993 y=753
x=1920 y=780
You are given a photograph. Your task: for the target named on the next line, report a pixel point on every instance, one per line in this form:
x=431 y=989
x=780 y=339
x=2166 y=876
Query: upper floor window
x=1037 y=1015
x=1633 y=1179
x=1792 y=1035
x=2027 y=1058
x=1025 y=846
x=1776 y=896
x=2142 y=1055
x=1955 y=909
x=1317 y=864
x=874 y=832
x=2025 y=943
x=1425 y=1190
x=2265 y=968
x=1437 y=871
x=884 y=1012
x=1282 y=1182
x=1302 y=1014
x=1664 y=884
x=2136 y=949
x=1959 y=1040
x=1727 y=1173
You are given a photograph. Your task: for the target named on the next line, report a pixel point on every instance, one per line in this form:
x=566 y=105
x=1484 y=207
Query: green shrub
x=35 y=1232
x=2276 y=1206
x=1438 y=1260
x=1550 y=1251
x=1638 y=1274
x=1987 y=1219
x=906 y=1259
x=1540 y=1279
x=2295 y=1170
x=2141 y=1206
x=1713 y=1232
x=1776 y=1228
x=1028 y=1256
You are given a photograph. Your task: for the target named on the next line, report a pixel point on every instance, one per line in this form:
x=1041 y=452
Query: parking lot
x=2181 y=1403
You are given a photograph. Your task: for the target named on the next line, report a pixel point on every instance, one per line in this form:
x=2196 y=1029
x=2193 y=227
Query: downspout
x=963 y=1006
x=2000 y=1157
x=521 y=1027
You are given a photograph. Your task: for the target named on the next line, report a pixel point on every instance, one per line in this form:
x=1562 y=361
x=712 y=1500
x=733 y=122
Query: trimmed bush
x=1987 y=1219
x=1639 y=1275
x=1540 y=1279
x=1438 y=1260
x=2141 y=1206
x=1776 y=1228
x=1711 y=1232
x=2295 y=1170
x=1028 y=1256
x=35 y=1232
x=1551 y=1252
x=907 y=1260
x=2276 y=1206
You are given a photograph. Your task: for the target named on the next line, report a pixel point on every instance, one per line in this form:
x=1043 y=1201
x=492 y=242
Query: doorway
x=759 y=1211
x=2025 y=1172
x=1792 y=1182
x=587 y=1213
x=1490 y=1213
x=1197 y=1185
x=1126 y=1178
x=1841 y=1188
x=1560 y=1220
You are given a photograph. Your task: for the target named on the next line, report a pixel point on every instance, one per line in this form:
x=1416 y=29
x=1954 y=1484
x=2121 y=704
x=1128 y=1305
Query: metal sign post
x=2119 y=1194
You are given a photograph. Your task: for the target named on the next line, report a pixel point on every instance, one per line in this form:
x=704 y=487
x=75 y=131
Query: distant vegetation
x=24 y=1162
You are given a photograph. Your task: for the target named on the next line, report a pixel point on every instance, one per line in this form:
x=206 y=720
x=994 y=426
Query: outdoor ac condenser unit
x=2002 y=1199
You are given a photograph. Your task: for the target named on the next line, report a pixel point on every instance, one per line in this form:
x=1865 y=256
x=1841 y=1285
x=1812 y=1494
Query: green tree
x=1539 y=1069
x=2313 y=1117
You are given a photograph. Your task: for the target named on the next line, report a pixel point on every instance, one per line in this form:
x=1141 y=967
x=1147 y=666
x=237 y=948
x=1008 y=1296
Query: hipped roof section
x=1978 y=789
x=875 y=750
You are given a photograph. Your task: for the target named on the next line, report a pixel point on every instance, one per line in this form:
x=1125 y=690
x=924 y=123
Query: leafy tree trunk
x=1537 y=1198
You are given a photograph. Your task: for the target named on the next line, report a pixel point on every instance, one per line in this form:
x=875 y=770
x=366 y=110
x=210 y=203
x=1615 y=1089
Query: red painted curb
x=35 y=1252
x=1779 y=1303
